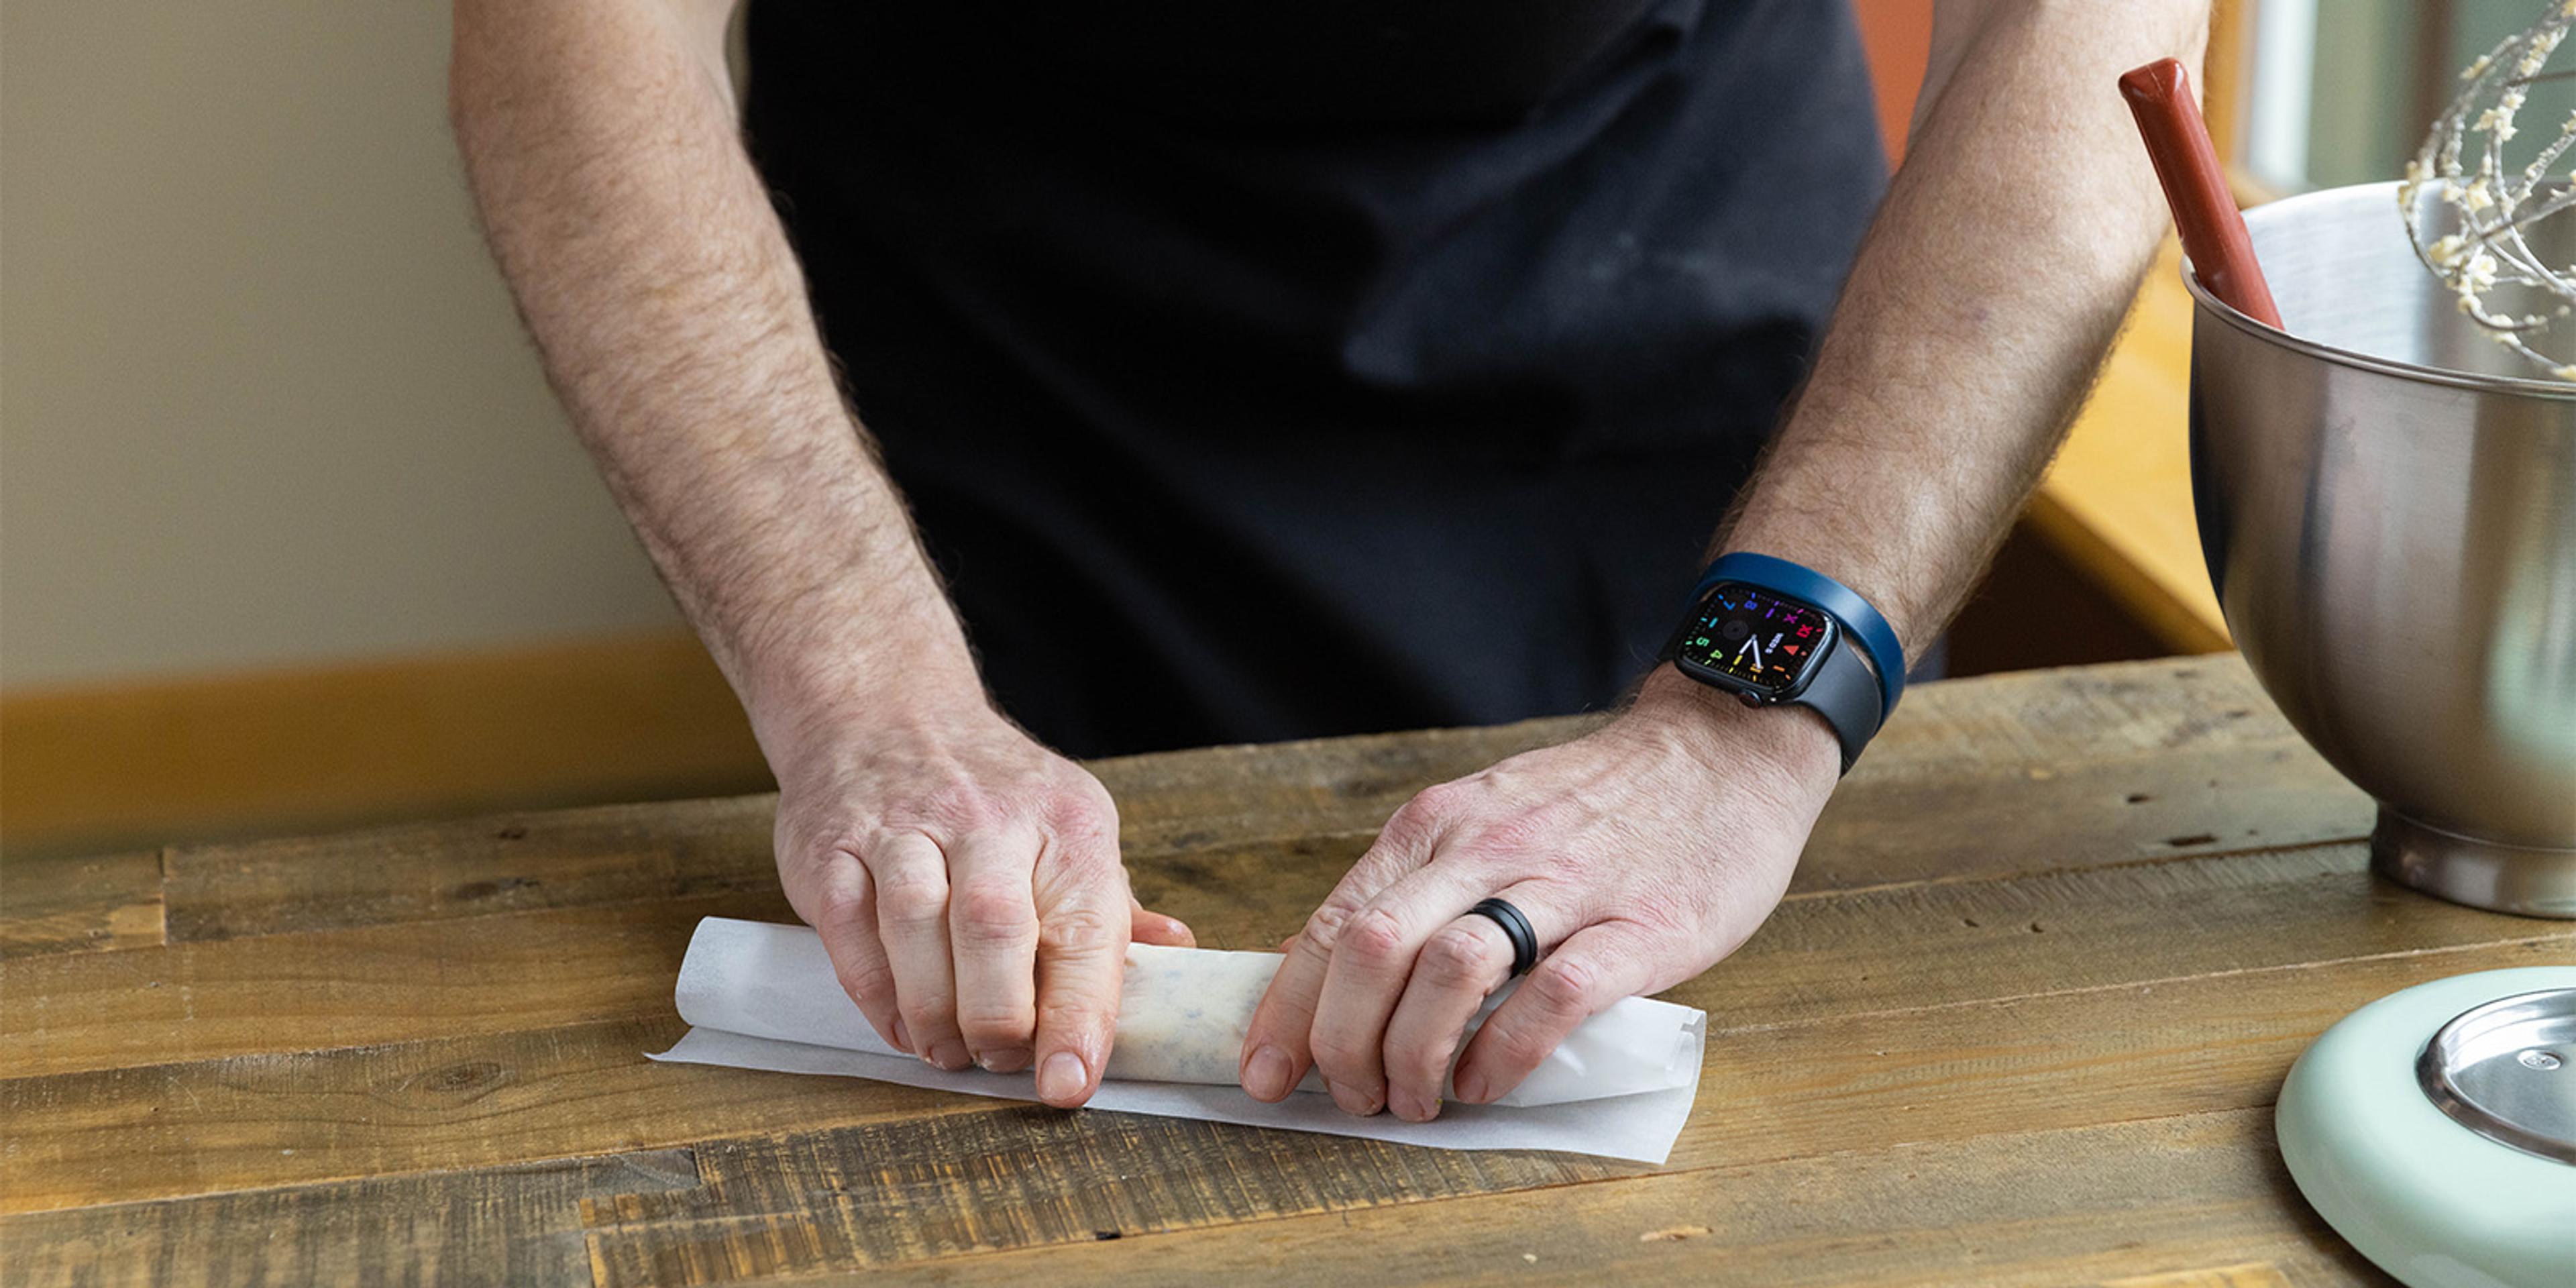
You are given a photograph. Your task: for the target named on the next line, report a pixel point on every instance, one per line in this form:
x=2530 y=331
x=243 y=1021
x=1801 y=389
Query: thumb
x=1083 y=907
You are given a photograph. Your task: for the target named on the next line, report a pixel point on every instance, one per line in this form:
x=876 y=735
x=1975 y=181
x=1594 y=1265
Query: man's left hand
x=1641 y=854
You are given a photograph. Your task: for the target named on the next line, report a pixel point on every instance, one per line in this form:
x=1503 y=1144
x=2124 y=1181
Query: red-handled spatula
x=2213 y=234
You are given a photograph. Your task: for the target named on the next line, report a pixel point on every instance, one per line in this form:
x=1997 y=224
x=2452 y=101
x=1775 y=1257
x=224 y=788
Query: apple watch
x=1776 y=633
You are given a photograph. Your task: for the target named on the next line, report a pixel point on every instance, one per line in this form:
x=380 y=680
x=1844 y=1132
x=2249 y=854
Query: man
x=1308 y=370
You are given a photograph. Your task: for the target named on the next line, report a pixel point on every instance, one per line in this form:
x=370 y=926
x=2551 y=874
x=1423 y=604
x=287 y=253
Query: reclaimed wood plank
x=1808 y=1090
x=507 y=1225
x=1832 y=1041
x=1024 y=1177
x=2200 y=1045
x=505 y=863
x=2137 y=808
x=1925 y=944
x=80 y=904
x=2216 y=970
x=2108 y=765
x=2031 y=1206
x=80 y=1011
x=2036 y=1207
x=386 y=983
x=2020 y=721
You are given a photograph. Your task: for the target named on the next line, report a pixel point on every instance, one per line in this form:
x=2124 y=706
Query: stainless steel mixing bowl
x=2387 y=501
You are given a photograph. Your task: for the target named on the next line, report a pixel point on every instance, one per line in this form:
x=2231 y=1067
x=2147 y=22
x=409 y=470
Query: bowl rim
x=2211 y=305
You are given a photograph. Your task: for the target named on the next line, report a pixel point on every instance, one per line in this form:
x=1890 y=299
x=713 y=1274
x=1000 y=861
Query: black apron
x=1328 y=368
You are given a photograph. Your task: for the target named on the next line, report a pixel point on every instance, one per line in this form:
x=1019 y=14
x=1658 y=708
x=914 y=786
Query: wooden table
x=2021 y=1020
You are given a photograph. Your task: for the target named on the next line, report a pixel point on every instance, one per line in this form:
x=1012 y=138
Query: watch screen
x=1755 y=637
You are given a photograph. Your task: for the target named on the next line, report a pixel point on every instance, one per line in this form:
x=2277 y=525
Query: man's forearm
x=603 y=150
x=1978 y=310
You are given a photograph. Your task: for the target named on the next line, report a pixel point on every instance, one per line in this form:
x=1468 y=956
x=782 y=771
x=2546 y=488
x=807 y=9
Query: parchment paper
x=763 y=996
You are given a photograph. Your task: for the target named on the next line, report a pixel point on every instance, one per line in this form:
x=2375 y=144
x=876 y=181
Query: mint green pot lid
x=2426 y=1199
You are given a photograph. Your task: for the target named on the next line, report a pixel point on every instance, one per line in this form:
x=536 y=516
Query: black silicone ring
x=1516 y=928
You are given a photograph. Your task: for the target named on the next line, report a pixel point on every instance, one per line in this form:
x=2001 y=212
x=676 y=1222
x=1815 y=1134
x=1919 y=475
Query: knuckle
x=1456 y=956
x=841 y=905
x=994 y=911
x=817 y=845
x=913 y=902
x=1563 y=984
x=1440 y=800
x=1075 y=861
x=1083 y=809
x=1415 y=820
x=1374 y=936
x=1528 y=830
x=1324 y=925
x=1071 y=1015
x=1074 y=930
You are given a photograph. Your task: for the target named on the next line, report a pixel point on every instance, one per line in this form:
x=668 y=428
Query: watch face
x=1755 y=638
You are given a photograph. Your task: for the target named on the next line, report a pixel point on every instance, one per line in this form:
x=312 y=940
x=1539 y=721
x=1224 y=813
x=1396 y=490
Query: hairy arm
x=965 y=880
x=1974 y=318
x=1979 y=308
x=601 y=142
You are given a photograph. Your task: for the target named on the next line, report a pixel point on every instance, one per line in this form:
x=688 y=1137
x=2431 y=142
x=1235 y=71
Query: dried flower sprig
x=2485 y=215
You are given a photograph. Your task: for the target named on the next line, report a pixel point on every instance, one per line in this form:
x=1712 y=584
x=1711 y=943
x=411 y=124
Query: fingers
x=1082 y=904
x=1277 y=1046
x=993 y=929
x=1597 y=966
x=1458 y=968
x=1275 y=1055
x=1374 y=959
x=1149 y=927
x=843 y=912
x=910 y=875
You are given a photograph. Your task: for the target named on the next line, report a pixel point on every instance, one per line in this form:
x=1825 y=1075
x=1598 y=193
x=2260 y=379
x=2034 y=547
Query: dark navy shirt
x=1260 y=372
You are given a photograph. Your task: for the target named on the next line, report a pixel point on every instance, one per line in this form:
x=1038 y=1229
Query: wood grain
x=2020 y=1021
x=1016 y=1178
x=73 y=904
x=504 y=863
x=283 y=993
x=507 y=1225
x=2036 y=1208
x=1855 y=1015
x=2102 y=765
x=2046 y=1207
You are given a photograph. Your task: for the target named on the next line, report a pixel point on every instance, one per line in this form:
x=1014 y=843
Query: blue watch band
x=1862 y=624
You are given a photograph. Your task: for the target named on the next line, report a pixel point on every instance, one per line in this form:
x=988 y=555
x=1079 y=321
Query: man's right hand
x=966 y=882
x=965 y=879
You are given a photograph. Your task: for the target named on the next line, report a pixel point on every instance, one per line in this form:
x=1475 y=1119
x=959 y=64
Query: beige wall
x=262 y=399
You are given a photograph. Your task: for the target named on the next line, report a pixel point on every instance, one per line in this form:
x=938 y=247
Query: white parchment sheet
x=763 y=996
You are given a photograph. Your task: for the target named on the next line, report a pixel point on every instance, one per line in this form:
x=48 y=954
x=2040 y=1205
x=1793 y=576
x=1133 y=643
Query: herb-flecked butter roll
x=1185 y=1011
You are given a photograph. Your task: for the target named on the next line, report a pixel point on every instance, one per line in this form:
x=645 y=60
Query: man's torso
x=1354 y=367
